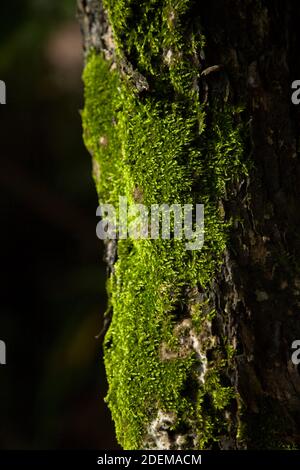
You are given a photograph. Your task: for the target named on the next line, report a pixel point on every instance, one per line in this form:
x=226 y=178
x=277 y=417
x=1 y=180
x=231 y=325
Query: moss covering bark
x=155 y=140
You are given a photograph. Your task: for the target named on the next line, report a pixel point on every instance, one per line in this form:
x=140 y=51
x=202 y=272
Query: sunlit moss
x=158 y=144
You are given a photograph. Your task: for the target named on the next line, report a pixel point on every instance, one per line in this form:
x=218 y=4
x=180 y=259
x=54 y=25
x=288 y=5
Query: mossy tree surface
x=174 y=111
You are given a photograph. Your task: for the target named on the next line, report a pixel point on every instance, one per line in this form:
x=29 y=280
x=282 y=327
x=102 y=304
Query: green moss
x=158 y=142
x=101 y=138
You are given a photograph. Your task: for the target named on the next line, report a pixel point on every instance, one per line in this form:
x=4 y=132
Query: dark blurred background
x=53 y=277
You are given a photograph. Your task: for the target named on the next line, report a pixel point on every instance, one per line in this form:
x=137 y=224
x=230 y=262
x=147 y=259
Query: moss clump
x=156 y=144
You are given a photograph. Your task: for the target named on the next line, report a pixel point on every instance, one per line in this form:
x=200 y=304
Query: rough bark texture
x=259 y=287
x=256 y=291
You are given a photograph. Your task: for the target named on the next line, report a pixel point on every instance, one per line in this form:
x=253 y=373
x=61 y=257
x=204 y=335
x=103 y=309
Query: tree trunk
x=190 y=101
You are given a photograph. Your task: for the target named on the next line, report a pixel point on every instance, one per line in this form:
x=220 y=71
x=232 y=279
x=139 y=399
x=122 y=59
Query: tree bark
x=255 y=290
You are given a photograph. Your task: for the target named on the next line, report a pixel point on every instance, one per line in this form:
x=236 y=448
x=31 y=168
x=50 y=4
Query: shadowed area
x=53 y=288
